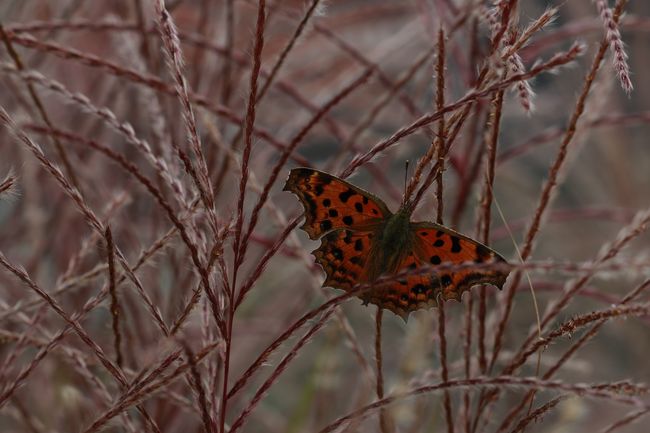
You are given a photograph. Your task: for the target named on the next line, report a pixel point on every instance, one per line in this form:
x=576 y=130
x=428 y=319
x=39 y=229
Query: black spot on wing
x=483 y=254
x=455 y=244
x=318 y=190
x=358 y=245
x=418 y=289
x=356 y=260
x=348 y=220
x=445 y=280
x=438 y=243
x=337 y=253
x=435 y=260
x=345 y=195
x=302 y=173
x=327 y=202
x=359 y=207
x=333 y=213
x=311 y=204
x=326 y=225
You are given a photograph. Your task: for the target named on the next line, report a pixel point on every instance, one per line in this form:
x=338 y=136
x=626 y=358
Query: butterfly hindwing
x=331 y=203
x=408 y=291
x=343 y=254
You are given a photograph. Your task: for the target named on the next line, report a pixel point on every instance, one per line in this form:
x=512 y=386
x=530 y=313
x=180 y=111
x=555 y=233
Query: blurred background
x=91 y=85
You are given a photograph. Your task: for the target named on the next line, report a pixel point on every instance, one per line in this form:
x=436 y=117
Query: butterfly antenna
x=532 y=290
x=521 y=260
x=406 y=175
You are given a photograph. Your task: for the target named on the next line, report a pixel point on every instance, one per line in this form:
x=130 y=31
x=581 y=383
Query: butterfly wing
x=436 y=244
x=408 y=291
x=331 y=203
x=433 y=245
x=343 y=254
x=347 y=216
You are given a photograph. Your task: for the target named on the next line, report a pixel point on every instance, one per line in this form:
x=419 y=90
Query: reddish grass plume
x=153 y=277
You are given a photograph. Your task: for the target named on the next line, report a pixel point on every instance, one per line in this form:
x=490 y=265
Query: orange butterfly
x=363 y=240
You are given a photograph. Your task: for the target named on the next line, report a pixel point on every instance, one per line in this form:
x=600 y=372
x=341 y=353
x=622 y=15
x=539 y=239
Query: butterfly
x=362 y=240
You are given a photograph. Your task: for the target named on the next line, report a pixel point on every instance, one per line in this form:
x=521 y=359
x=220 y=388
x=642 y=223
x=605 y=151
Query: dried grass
x=152 y=275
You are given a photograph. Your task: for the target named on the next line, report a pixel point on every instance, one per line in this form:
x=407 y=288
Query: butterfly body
x=361 y=241
x=393 y=242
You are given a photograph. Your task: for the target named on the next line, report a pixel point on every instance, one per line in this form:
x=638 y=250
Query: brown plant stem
x=239 y=221
x=41 y=110
x=112 y=288
x=443 y=365
x=549 y=186
x=383 y=416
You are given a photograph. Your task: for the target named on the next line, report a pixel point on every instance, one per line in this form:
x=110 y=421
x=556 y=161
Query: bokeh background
x=80 y=76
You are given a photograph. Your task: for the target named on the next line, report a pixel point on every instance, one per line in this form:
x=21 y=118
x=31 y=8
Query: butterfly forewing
x=437 y=245
x=331 y=203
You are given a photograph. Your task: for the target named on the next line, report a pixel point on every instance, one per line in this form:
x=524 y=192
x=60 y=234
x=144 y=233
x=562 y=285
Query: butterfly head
x=407 y=208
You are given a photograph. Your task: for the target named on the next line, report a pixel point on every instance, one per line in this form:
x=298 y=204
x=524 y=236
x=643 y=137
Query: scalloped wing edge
x=307 y=203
